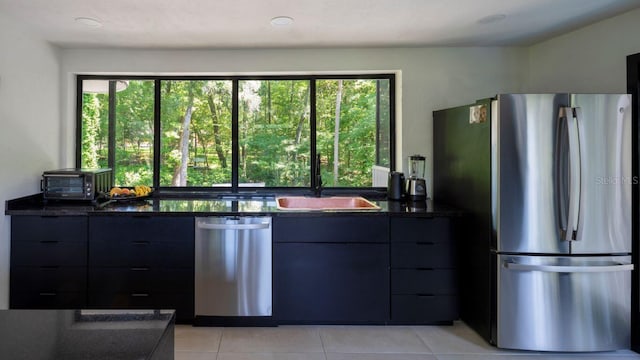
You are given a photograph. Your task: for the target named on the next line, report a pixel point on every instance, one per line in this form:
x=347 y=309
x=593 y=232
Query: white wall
x=591 y=59
x=29 y=123
x=429 y=78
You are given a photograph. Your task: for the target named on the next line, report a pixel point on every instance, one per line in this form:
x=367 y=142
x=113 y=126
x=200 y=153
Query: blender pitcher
x=416 y=184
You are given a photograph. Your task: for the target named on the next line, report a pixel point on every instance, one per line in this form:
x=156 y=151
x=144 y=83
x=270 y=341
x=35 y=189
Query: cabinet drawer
x=433 y=230
x=182 y=303
x=117 y=229
x=49 y=253
x=332 y=229
x=56 y=228
x=417 y=309
x=141 y=254
x=422 y=255
x=140 y=280
x=47 y=300
x=48 y=279
x=423 y=281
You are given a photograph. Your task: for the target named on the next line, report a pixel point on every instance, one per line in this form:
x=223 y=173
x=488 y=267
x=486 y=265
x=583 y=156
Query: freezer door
x=564 y=303
x=525 y=159
x=604 y=217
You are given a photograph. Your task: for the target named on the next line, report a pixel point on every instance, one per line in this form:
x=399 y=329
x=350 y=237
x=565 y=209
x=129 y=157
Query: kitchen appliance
x=396 y=186
x=233 y=272
x=545 y=181
x=416 y=184
x=75 y=184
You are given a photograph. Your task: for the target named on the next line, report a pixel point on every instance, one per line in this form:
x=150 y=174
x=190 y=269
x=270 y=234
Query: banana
x=142 y=190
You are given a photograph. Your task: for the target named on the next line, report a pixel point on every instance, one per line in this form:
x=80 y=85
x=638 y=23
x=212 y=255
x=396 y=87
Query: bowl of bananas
x=137 y=192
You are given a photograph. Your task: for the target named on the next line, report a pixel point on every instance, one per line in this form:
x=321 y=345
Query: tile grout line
x=413 y=330
x=220 y=342
x=324 y=351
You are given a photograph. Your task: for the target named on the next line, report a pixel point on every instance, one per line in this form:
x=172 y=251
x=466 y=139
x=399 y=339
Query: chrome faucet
x=317 y=189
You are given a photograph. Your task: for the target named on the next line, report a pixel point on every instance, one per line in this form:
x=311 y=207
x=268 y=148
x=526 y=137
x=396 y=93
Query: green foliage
x=273 y=131
x=90 y=129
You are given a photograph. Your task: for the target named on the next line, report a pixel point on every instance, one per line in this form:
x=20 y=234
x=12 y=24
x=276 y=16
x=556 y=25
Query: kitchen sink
x=324 y=203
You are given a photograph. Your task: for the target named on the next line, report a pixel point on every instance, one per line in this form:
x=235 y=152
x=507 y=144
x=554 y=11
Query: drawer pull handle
x=140 y=242
x=425 y=295
x=48 y=241
x=425 y=243
x=49 y=267
x=140 y=295
x=47 y=294
x=425 y=269
x=139 y=269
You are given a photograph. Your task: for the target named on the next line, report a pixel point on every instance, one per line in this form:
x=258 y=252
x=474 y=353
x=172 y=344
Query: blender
x=416 y=185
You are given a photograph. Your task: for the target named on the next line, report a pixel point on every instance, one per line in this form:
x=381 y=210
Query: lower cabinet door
x=47 y=300
x=143 y=288
x=331 y=283
x=140 y=280
x=48 y=279
x=423 y=281
x=423 y=309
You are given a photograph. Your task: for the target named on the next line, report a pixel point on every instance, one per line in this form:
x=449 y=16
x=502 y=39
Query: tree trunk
x=243 y=146
x=216 y=130
x=302 y=118
x=268 y=102
x=203 y=145
x=180 y=175
x=336 y=134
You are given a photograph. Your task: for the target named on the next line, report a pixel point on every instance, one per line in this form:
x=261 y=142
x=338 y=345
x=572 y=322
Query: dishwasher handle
x=203 y=225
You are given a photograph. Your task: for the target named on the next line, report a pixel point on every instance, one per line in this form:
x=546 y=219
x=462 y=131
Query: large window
x=195 y=133
x=237 y=132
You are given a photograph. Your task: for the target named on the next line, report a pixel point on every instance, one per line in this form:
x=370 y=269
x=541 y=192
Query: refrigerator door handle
x=574 y=175
x=568 y=269
x=578 y=225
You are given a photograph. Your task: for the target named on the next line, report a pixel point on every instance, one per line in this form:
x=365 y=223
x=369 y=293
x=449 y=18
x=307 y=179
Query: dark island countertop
x=259 y=206
x=87 y=334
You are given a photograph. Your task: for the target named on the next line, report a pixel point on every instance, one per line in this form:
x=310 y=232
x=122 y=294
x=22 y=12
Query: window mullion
x=157 y=132
x=111 y=155
x=235 y=146
x=312 y=129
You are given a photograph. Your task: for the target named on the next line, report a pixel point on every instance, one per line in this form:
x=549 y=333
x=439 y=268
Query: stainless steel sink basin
x=327 y=203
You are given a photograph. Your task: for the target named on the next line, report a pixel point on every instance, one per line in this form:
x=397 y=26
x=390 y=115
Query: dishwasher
x=233 y=271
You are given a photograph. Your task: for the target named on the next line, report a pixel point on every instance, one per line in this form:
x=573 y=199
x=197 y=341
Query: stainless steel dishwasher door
x=233 y=269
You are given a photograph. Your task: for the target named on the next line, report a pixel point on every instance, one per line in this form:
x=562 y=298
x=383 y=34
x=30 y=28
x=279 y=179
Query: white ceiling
x=210 y=24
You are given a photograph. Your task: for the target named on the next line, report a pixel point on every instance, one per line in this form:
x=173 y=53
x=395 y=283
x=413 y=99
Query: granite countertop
x=84 y=334
x=33 y=205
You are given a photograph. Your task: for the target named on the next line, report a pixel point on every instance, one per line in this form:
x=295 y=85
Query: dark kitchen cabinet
x=424 y=282
x=142 y=262
x=332 y=269
x=48 y=262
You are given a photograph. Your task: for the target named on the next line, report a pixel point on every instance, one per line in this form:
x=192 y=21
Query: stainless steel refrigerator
x=546 y=181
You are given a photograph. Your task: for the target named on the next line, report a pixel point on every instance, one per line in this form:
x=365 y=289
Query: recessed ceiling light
x=281 y=21
x=492 y=18
x=87 y=21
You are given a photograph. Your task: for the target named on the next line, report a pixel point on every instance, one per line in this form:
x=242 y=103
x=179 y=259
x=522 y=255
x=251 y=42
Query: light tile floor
x=457 y=342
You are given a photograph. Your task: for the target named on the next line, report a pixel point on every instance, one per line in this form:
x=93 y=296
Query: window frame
x=235 y=79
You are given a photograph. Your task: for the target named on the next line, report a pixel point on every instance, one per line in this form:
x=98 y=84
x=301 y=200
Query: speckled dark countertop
x=33 y=205
x=86 y=334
